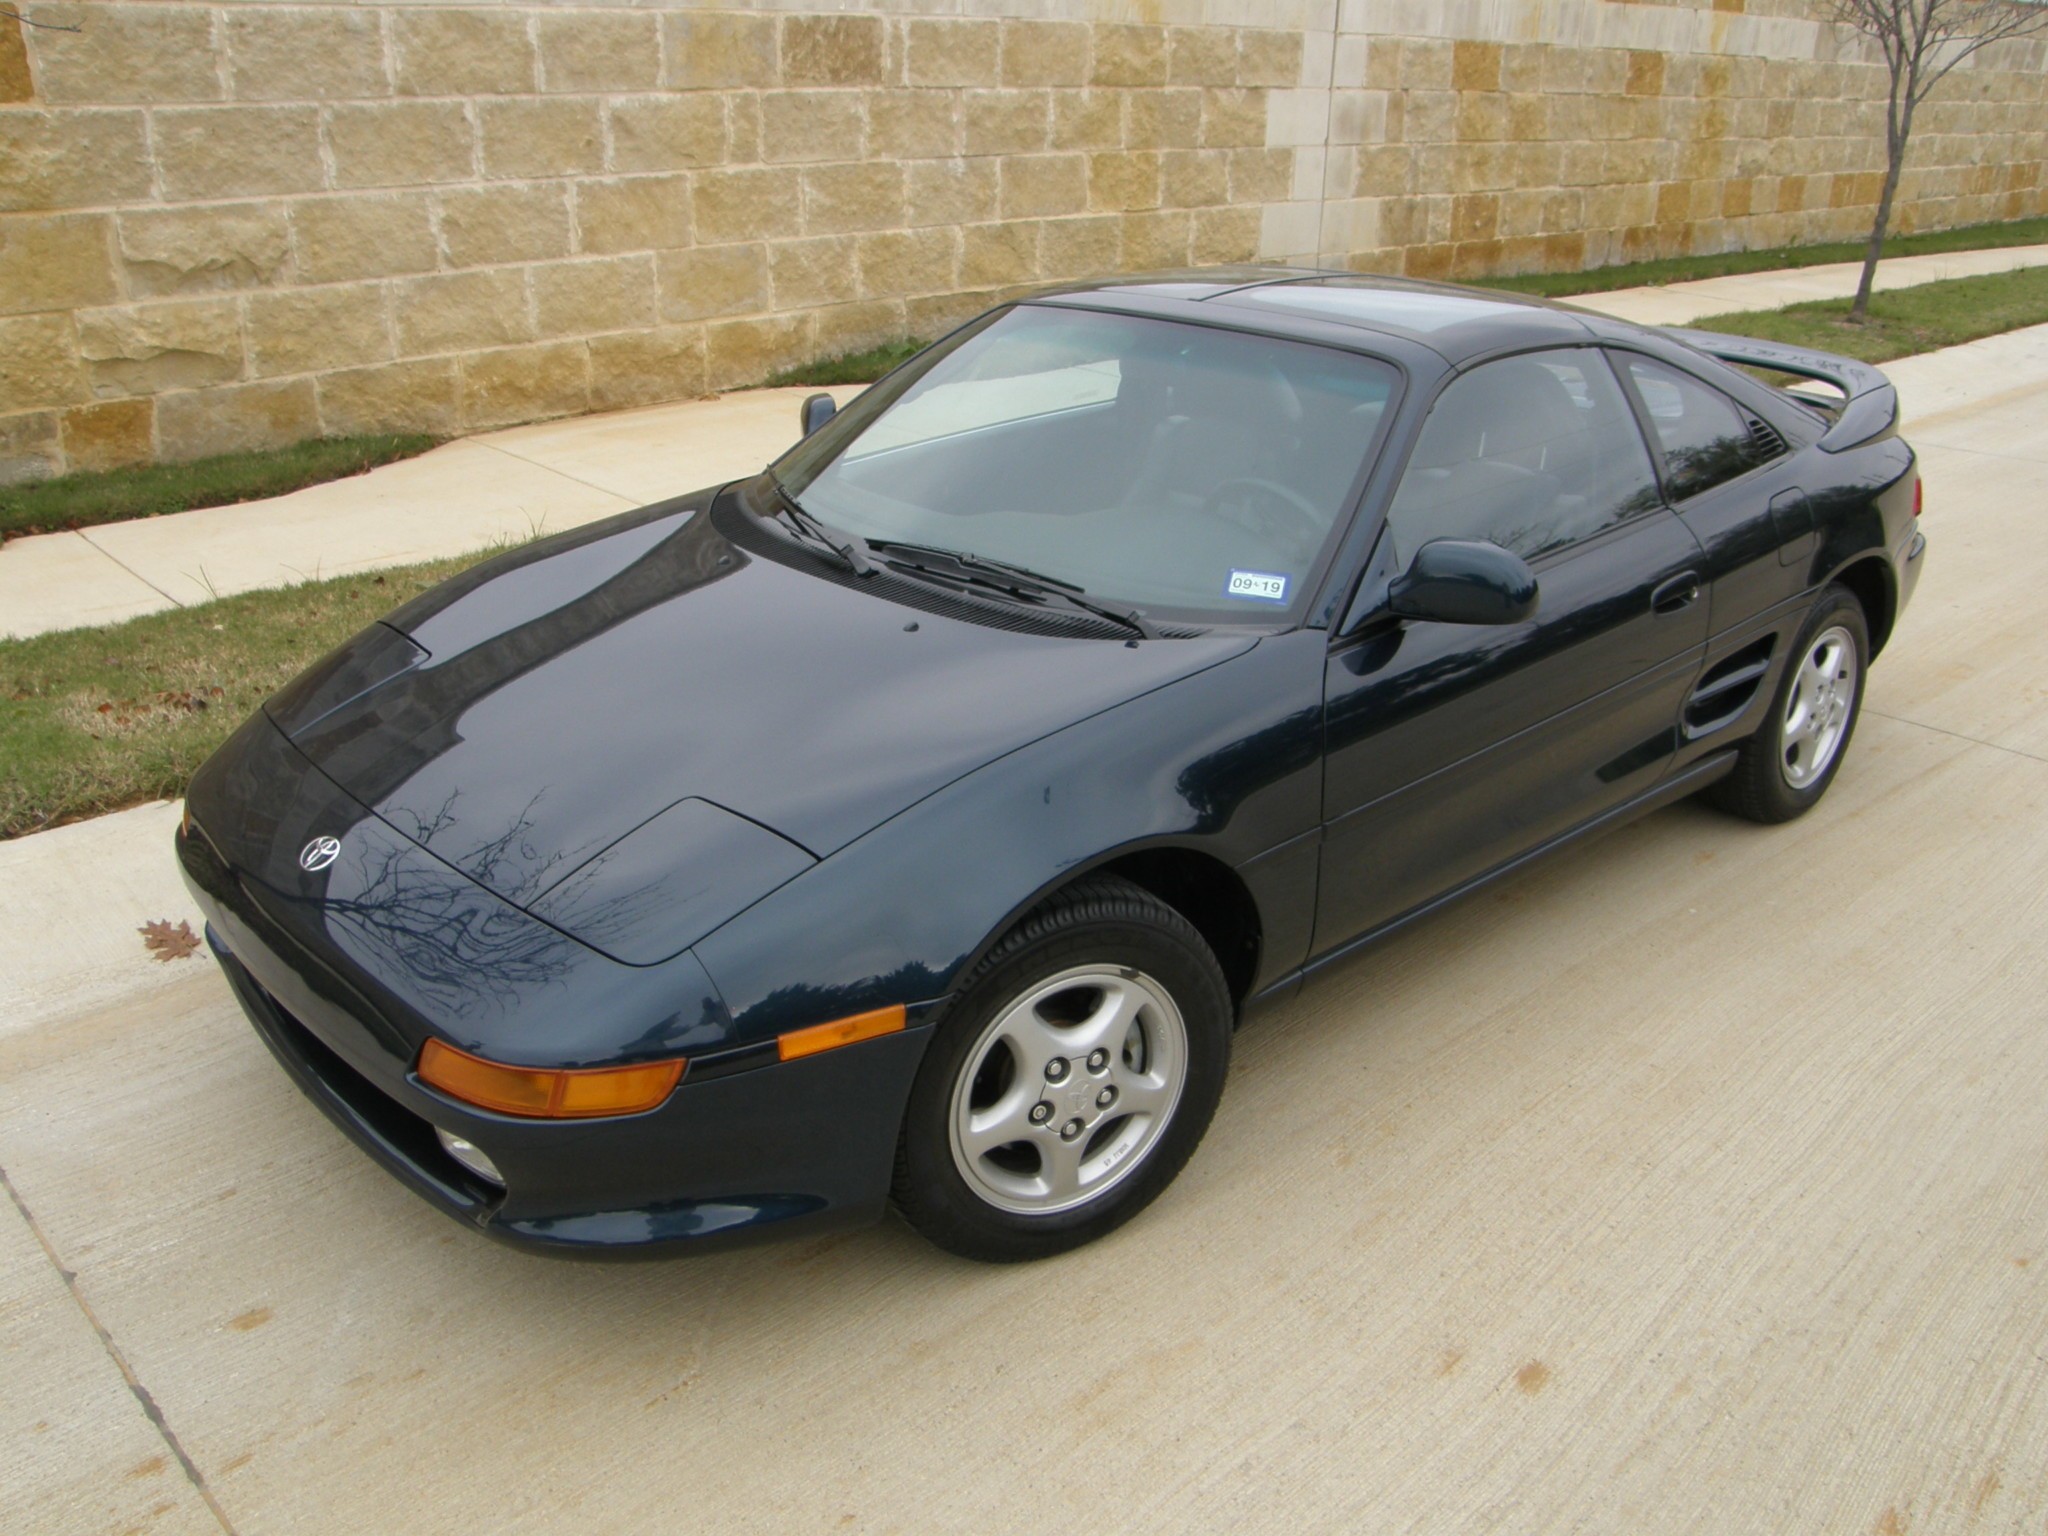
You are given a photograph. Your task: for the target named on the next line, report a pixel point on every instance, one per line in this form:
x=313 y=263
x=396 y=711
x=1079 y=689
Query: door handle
x=1679 y=592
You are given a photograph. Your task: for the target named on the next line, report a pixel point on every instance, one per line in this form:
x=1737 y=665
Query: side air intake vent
x=1765 y=441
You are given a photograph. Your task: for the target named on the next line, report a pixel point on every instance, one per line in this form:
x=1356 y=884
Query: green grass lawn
x=92 y=720
x=1904 y=321
x=149 y=490
x=1685 y=269
x=849 y=367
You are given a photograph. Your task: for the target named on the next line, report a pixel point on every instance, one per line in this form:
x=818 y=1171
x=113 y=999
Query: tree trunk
x=1895 y=161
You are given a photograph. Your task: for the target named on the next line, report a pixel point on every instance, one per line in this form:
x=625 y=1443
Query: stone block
x=449 y=52
x=717 y=49
x=1193 y=178
x=1201 y=56
x=847 y=328
x=551 y=136
x=637 y=213
x=157 y=54
x=482 y=225
x=525 y=384
x=1122 y=180
x=461 y=311
x=1224 y=235
x=1045 y=53
x=109 y=435
x=599 y=51
x=908 y=261
x=400 y=143
x=1475 y=216
x=995 y=255
x=749 y=204
x=646 y=367
x=1261 y=175
x=950 y=191
x=1084 y=247
x=55 y=262
x=1482 y=116
x=1475 y=66
x=667 y=133
x=1645 y=74
x=831 y=50
x=17 y=82
x=1087 y=120
x=939 y=313
x=742 y=352
x=210 y=152
x=343 y=239
x=146 y=349
x=418 y=396
x=913 y=125
x=846 y=199
x=300 y=53
x=1128 y=55
x=811 y=125
x=39 y=365
x=1156 y=242
x=578 y=298
x=952 y=53
x=1233 y=118
x=71 y=159
x=1269 y=57
x=1168 y=119
x=29 y=447
x=1034 y=186
x=311 y=330
x=1007 y=122
x=203 y=248
x=709 y=280
x=194 y=424
x=1521 y=67
x=805 y=273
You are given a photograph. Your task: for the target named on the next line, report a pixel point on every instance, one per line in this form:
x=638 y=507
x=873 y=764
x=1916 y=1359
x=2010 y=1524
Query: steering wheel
x=1275 y=512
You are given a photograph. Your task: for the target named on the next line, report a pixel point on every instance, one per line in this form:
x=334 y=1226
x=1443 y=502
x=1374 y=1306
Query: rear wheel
x=1784 y=769
x=1070 y=1081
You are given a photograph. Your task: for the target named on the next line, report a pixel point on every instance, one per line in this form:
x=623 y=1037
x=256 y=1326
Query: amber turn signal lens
x=547 y=1095
x=826 y=1037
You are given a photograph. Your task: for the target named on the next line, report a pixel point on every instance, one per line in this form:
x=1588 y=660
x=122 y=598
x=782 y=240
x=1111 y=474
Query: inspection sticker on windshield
x=1263 y=585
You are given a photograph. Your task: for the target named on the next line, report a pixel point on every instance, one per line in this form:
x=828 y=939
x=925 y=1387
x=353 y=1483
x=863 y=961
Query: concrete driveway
x=1695 y=1181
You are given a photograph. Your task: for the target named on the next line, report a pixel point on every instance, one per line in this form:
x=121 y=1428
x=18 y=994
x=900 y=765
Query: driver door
x=1452 y=748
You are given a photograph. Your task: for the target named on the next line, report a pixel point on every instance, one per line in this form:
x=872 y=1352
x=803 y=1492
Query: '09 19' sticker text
x=1262 y=585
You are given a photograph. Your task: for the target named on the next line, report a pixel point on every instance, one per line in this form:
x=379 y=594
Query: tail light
x=1919 y=494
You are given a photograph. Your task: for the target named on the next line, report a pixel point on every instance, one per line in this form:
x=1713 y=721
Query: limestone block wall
x=241 y=224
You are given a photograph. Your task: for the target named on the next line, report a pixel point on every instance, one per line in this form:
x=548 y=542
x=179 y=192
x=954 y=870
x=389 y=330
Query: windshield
x=1190 y=472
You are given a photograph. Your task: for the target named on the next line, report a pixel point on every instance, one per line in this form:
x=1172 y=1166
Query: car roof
x=1456 y=323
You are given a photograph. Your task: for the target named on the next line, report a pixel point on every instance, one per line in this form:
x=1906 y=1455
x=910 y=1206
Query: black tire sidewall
x=931 y=1191
x=1837 y=606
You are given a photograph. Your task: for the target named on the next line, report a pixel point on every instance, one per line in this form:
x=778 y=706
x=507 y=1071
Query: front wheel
x=1070 y=1081
x=1784 y=769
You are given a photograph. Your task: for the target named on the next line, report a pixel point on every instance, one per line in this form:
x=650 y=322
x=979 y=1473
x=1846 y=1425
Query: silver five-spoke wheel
x=1817 y=710
x=1067 y=1089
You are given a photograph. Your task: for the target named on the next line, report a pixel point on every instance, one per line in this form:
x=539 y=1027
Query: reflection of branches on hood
x=507 y=863
x=456 y=941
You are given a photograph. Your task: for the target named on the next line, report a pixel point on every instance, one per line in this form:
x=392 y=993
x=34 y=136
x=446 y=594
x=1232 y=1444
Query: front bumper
x=732 y=1156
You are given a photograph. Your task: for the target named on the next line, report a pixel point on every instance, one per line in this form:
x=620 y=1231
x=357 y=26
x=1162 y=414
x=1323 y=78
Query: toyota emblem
x=319 y=853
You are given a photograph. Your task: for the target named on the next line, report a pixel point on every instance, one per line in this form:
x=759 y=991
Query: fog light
x=471 y=1156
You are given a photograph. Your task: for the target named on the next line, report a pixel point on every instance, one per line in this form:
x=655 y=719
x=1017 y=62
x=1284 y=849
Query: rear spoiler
x=1870 y=406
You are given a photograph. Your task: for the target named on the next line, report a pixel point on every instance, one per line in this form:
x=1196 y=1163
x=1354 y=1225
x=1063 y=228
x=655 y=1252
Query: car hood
x=521 y=719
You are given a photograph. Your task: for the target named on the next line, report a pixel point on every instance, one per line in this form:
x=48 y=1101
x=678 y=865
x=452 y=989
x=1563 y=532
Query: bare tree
x=1922 y=41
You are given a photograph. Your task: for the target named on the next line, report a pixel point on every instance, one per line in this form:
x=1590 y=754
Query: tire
x=1098 y=1032
x=1784 y=769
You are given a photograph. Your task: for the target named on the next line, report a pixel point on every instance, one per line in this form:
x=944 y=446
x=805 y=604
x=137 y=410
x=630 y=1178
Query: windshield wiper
x=1016 y=581
x=853 y=553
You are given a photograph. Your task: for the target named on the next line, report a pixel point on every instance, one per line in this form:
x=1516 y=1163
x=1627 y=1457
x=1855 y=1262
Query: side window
x=1531 y=453
x=1705 y=439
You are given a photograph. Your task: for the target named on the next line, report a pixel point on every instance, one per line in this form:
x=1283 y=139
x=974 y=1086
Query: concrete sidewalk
x=545 y=478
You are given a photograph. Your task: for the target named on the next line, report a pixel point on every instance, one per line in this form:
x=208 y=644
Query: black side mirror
x=1464 y=581
x=816 y=411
